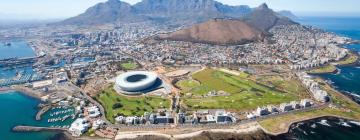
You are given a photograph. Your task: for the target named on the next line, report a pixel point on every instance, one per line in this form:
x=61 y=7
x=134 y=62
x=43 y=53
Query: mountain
x=287 y=14
x=106 y=12
x=189 y=9
x=250 y=28
x=217 y=31
x=114 y=11
x=264 y=18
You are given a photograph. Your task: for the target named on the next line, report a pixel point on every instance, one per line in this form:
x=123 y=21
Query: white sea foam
x=313 y=125
x=355 y=122
x=345 y=124
x=324 y=122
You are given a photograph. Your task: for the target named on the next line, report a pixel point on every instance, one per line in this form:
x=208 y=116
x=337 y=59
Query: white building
x=272 y=109
x=93 y=111
x=262 y=111
x=305 y=103
x=78 y=127
x=284 y=107
x=295 y=104
x=97 y=124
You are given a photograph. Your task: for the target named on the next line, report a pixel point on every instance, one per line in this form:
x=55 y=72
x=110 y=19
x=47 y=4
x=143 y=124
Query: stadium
x=136 y=82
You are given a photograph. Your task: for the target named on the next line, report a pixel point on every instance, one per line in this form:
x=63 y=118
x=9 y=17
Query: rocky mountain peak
x=263 y=6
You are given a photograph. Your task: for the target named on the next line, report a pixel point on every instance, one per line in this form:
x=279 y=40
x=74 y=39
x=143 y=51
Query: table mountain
x=107 y=12
x=114 y=11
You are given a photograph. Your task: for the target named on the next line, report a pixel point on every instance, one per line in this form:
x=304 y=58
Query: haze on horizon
x=56 y=9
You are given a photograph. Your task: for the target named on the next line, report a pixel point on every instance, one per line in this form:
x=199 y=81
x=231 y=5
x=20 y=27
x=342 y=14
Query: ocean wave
x=345 y=124
x=312 y=132
x=302 y=131
x=354 y=94
x=313 y=125
x=347 y=78
x=355 y=122
x=352 y=74
x=324 y=122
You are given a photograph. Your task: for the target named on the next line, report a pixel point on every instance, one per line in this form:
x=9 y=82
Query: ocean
x=347 y=81
x=17 y=108
x=17 y=49
x=14 y=103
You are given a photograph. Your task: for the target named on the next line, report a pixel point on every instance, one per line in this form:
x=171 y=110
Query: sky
x=58 y=9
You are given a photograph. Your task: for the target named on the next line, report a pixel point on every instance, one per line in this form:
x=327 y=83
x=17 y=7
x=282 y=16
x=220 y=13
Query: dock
x=37 y=129
x=17 y=61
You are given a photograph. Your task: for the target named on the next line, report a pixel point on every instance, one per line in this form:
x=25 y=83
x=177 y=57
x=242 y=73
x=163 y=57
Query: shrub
x=117 y=105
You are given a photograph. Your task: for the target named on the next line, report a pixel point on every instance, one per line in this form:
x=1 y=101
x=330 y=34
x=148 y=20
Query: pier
x=37 y=129
x=17 y=61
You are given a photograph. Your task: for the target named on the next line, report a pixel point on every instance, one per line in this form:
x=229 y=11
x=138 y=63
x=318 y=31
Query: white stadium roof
x=136 y=80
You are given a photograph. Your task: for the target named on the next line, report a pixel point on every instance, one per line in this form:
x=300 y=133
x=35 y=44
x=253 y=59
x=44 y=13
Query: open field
x=129 y=65
x=187 y=85
x=323 y=69
x=284 y=83
x=129 y=106
x=352 y=58
x=243 y=93
x=345 y=108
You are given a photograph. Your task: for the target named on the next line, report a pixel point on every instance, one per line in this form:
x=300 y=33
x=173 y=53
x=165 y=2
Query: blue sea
x=18 y=109
x=17 y=49
x=347 y=81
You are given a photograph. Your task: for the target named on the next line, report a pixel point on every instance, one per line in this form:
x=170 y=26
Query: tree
x=117 y=105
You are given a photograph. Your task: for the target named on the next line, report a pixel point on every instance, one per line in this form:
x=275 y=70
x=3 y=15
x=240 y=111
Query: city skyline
x=43 y=9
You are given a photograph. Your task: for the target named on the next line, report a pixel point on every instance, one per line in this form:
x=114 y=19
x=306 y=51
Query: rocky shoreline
x=255 y=132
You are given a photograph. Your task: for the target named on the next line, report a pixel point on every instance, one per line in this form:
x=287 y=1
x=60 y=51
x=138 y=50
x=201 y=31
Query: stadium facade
x=135 y=81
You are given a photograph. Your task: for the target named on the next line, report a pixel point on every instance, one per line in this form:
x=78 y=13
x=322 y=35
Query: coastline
x=332 y=67
x=29 y=93
x=289 y=126
x=22 y=90
x=244 y=129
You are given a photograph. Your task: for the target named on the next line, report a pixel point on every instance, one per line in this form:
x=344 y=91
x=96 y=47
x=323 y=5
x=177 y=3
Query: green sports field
x=129 y=65
x=244 y=93
x=129 y=106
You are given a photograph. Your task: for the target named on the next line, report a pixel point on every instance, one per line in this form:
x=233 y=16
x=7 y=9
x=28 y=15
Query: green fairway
x=129 y=106
x=288 y=85
x=187 y=85
x=129 y=65
x=244 y=93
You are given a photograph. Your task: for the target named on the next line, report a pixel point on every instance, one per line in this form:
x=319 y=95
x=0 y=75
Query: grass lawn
x=129 y=65
x=281 y=82
x=130 y=106
x=323 y=69
x=187 y=85
x=244 y=93
x=346 y=109
x=352 y=58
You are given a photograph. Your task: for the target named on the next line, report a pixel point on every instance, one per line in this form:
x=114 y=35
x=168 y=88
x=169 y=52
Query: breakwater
x=37 y=129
